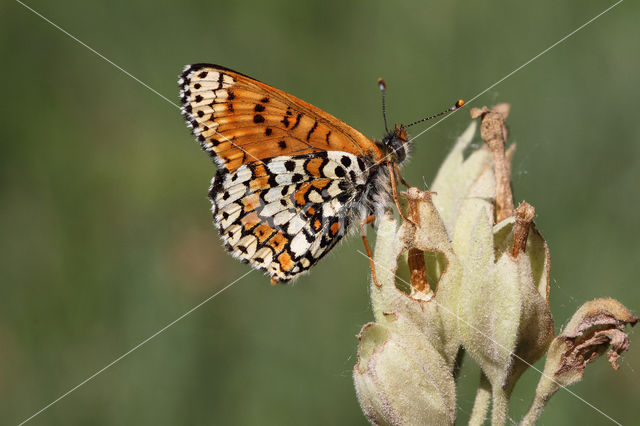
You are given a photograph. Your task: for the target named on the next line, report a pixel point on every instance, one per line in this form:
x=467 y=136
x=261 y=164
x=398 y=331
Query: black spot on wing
x=344 y=197
x=298 y=117
x=315 y=126
x=216 y=186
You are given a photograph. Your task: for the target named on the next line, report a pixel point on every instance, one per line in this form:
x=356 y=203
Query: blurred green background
x=106 y=230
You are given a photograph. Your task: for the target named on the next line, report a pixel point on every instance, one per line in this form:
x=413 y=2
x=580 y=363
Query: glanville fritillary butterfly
x=292 y=179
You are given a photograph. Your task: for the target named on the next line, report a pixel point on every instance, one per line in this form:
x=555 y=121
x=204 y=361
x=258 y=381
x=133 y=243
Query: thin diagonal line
x=519 y=68
x=232 y=283
x=181 y=316
x=134 y=348
x=100 y=55
x=386 y=157
x=120 y=68
x=511 y=353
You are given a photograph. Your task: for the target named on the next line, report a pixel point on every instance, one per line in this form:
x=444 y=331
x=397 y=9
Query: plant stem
x=535 y=411
x=481 y=403
x=500 y=407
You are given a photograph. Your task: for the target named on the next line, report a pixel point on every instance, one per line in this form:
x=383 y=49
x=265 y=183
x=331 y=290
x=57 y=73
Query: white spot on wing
x=275 y=194
x=233 y=234
x=314 y=197
x=233 y=211
x=235 y=192
x=283 y=217
x=242 y=174
x=271 y=209
x=295 y=225
x=299 y=245
x=250 y=243
x=227 y=79
x=265 y=254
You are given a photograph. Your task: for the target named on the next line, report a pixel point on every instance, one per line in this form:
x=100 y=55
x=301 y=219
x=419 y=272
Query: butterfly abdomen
x=377 y=196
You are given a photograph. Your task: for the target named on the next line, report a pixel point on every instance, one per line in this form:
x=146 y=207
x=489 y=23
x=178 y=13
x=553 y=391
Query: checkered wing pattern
x=284 y=214
x=291 y=177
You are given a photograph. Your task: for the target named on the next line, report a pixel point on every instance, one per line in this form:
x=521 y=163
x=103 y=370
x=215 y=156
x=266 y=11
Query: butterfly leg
x=402 y=181
x=394 y=191
x=366 y=247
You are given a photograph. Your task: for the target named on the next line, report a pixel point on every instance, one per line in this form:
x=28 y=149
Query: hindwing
x=285 y=213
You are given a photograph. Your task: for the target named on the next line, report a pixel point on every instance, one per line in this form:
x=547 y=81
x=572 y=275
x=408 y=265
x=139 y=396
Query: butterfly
x=292 y=180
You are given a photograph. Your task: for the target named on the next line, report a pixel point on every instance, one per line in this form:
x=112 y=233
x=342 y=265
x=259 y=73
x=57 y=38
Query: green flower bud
x=402 y=381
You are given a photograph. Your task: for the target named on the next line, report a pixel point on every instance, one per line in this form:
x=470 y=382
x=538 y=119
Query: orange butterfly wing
x=239 y=120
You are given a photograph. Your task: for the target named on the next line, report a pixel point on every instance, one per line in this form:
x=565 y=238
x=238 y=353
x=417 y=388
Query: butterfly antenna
x=456 y=106
x=383 y=90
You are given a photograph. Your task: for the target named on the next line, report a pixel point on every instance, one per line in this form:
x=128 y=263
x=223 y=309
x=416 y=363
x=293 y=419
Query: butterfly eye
x=395 y=148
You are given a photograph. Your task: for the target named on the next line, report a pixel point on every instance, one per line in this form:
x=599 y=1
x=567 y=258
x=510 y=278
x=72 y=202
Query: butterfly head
x=396 y=144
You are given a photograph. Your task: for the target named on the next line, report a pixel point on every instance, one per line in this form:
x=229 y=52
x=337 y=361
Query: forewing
x=239 y=120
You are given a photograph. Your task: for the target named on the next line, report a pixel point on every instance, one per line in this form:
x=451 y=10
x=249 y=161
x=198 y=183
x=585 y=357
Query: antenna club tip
x=459 y=103
x=382 y=84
